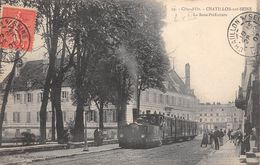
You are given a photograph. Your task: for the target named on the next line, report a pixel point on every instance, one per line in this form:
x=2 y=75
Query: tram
x=152 y=130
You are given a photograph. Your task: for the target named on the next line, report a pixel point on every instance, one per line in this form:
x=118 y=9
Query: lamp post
x=85 y=128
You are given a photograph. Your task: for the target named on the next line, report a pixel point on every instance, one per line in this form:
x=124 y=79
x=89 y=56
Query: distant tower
x=187 y=75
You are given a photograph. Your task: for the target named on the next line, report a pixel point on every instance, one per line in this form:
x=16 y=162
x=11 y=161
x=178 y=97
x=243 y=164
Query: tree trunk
x=101 y=116
x=57 y=103
x=46 y=89
x=79 y=123
x=138 y=100
x=5 y=97
x=53 y=131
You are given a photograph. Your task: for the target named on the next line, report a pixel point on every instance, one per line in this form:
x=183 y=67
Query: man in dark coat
x=216 y=135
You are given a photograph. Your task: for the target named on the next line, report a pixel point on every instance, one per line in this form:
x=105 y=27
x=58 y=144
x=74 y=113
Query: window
x=114 y=116
x=29 y=97
x=28 y=130
x=161 y=98
x=173 y=100
x=167 y=99
x=65 y=96
x=155 y=98
x=18 y=98
x=64 y=116
x=235 y=114
x=211 y=120
x=92 y=115
x=147 y=96
x=5 y=117
x=16 y=117
x=24 y=98
x=205 y=114
x=205 y=119
x=38 y=117
x=235 y=119
x=211 y=114
x=200 y=114
x=200 y=119
x=217 y=120
x=39 y=97
x=217 y=114
x=17 y=133
x=28 y=117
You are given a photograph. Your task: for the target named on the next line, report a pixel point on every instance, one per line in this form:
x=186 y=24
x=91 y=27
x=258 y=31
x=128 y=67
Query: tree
x=101 y=83
x=100 y=27
x=146 y=45
x=56 y=17
x=7 y=88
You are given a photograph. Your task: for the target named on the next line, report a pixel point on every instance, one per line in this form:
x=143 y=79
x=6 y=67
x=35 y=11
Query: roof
x=176 y=84
x=31 y=76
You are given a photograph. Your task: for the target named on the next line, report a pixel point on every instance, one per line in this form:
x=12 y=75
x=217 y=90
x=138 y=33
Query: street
x=183 y=153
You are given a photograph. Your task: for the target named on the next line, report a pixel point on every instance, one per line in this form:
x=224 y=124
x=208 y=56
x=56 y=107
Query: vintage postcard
x=130 y=82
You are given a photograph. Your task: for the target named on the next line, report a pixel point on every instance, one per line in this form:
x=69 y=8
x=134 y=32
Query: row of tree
x=107 y=50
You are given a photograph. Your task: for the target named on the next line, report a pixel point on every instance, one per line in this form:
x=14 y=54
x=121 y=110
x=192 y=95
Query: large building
x=178 y=101
x=22 y=111
x=224 y=116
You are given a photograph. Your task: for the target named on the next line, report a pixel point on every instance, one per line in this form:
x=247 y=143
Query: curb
x=61 y=156
x=39 y=148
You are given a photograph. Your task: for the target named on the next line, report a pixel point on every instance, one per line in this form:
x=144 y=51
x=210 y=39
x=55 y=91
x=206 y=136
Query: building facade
x=224 y=116
x=24 y=101
x=178 y=101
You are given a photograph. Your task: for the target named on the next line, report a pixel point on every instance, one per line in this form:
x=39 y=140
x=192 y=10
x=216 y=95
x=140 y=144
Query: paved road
x=185 y=153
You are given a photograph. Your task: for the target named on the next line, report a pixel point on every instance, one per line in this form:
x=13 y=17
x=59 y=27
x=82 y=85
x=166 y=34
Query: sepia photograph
x=129 y=82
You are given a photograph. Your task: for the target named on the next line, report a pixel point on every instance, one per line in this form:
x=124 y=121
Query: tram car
x=152 y=130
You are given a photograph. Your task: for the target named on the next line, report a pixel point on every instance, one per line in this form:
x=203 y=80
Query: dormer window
x=29 y=84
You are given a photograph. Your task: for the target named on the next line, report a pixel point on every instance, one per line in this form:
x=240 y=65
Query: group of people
x=214 y=138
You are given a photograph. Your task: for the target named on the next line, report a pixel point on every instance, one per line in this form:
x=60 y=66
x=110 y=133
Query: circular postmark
x=243 y=34
x=14 y=39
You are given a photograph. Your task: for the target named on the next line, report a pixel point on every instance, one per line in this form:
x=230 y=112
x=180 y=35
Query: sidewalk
x=228 y=154
x=47 y=155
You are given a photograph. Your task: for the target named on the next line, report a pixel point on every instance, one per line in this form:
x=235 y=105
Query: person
x=216 y=137
x=98 y=137
x=211 y=138
x=245 y=146
x=204 y=139
x=229 y=134
x=239 y=137
x=221 y=134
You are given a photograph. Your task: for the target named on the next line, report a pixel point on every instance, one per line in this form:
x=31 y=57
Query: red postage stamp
x=17 y=28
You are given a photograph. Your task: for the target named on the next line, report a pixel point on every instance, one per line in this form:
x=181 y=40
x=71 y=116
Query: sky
x=202 y=41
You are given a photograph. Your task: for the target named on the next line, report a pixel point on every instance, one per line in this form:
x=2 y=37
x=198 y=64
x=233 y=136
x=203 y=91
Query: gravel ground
x=185 y=153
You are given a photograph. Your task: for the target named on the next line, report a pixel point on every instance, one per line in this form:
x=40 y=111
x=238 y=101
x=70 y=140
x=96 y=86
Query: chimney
x=187 y=75
x=18 y=67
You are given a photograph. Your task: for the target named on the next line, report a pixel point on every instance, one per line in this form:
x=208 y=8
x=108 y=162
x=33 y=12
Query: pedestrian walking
x=204 y=139
x=216 y=136
x=221 y=135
